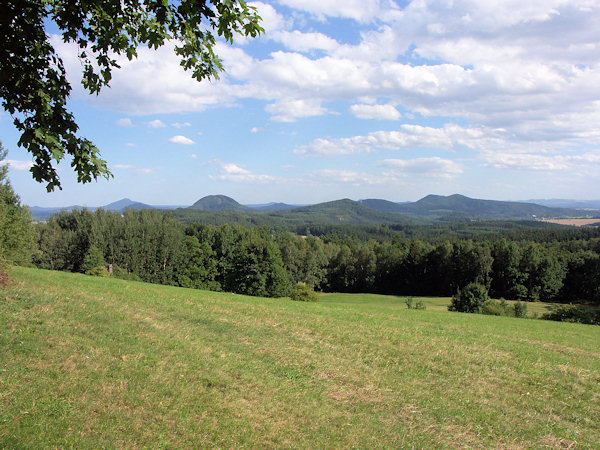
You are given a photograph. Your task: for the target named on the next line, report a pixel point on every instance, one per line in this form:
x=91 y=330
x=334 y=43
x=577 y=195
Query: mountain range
x=367 y=211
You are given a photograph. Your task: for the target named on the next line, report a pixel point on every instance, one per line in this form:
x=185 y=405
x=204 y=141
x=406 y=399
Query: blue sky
x=352 y=99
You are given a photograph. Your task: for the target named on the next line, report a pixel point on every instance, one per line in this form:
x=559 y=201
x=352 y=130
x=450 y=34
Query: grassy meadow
x=93 y=362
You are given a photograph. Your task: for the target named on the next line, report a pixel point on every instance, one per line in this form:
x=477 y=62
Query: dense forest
x=542 y=263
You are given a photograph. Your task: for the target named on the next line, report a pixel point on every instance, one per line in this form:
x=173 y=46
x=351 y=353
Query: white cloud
x=381 y=112
x=305 y=42
x=450 y=137
x=234 y=173
x=181 y=125
x=334 y=176
x=359 y=10
x=290 y=110
x=16 y=164
x=136 y=170
x=429 y=167
x=124 y=122
x=156 y=124
x=588 y=163
x=193 y=156
x=131 y=144
x=182 y=140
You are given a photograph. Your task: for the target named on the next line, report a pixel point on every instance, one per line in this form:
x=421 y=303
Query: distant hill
x=565 y=203
x=123 y=204
x=383 y=205
x=344 y=211
x=273 y=206
x=429 y=209
x=218 y=203
x=439 y=205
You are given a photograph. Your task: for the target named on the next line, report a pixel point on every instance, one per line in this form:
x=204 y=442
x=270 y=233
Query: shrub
x=520 y=309
x=412 y=304
x=303 y=293
x=122 y=274
x=574 y=313
x=470 y=299
x=93 y=259
x=496 y=308
x=98 y=271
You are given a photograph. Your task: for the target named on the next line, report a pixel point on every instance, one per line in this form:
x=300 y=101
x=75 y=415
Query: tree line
x=155 y=247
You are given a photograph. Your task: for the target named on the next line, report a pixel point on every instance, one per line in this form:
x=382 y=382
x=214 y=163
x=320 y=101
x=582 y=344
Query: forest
x=549 y=264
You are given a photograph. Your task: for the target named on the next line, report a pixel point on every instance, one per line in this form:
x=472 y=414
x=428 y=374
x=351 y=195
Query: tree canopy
x=33 y=83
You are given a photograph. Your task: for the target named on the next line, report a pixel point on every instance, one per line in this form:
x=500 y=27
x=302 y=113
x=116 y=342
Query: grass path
x=91 y=362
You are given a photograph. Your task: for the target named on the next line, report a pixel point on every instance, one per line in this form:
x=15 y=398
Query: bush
x=98 y=271
x=122 y=274
x=574 y=313
x=470 y=299
x=93 y=259
x=303 y=293
x=520 y=309
x=412 y=304
x=496 y=308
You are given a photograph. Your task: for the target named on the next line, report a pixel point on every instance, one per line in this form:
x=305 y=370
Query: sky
x=351 y=99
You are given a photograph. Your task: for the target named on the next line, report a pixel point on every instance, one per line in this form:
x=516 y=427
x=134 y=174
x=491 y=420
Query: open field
x=575 y=222
x=92 y=362
x=393 y=302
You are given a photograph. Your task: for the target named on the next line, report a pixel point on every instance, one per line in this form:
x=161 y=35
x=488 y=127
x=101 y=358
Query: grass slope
x=92 y=362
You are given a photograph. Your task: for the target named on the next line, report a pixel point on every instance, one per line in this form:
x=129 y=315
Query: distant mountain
x=218 y=203
x=345 y=211
x=438 y=205
x=123 y=204
x=273 y=206
x=565 y=203
x=383 y=205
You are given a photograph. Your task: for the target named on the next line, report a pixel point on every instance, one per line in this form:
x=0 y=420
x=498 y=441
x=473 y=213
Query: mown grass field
x=91 y=362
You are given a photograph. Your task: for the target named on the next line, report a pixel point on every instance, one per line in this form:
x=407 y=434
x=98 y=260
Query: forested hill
x=339 y=212
x=439 y=206
x=219 y=209
x=218 y=203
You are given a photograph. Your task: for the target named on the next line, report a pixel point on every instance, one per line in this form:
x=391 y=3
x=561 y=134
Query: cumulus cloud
x=334 y=176
x=124 y=122
x=134 y=169
x=359 y=10
x=16 y=164
x=586 y=163
x=450 y=137
x=156 y=124
x=181 y=125
x=234 y=173
x=291 y=110
x=182 y=140
x=429 y=167
x=381 y=112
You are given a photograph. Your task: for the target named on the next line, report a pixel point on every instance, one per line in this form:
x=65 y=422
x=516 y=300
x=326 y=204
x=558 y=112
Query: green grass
x=394 y=302
x=92 y=362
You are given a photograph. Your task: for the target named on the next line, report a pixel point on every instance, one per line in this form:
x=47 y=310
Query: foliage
x=259 y=261
x=574 y=313
x=496 y=308
x=520 y=309
x=93 y=259
x=122 y=274
x=470 y=299
x=303 y=293
x=98 y=271
x=33 y=82
x=412 y=304
x=17 y=235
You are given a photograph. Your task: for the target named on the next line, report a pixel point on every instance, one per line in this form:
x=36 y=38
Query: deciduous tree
x=33 y=82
